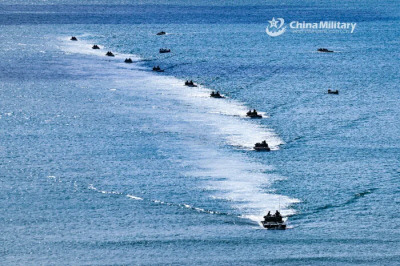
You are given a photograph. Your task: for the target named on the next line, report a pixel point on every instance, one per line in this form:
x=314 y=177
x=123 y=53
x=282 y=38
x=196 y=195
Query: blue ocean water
x=104 y=162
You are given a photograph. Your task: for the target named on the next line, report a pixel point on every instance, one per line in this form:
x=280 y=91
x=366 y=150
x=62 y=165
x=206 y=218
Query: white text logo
x=277 y=27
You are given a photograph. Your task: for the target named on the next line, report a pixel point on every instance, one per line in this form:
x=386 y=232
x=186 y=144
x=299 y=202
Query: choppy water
x=104 y=162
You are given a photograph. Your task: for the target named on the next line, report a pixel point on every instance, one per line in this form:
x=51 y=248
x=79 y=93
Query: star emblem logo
x=274 y=23
x=278 y=24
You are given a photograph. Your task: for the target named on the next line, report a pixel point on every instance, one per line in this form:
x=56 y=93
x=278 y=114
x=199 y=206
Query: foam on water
x=230 y=176
x=242 y=182
x=103 y=191
x=134 y=197
x=180 y=205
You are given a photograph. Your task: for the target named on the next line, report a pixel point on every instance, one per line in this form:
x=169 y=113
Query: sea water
x=104 y=162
